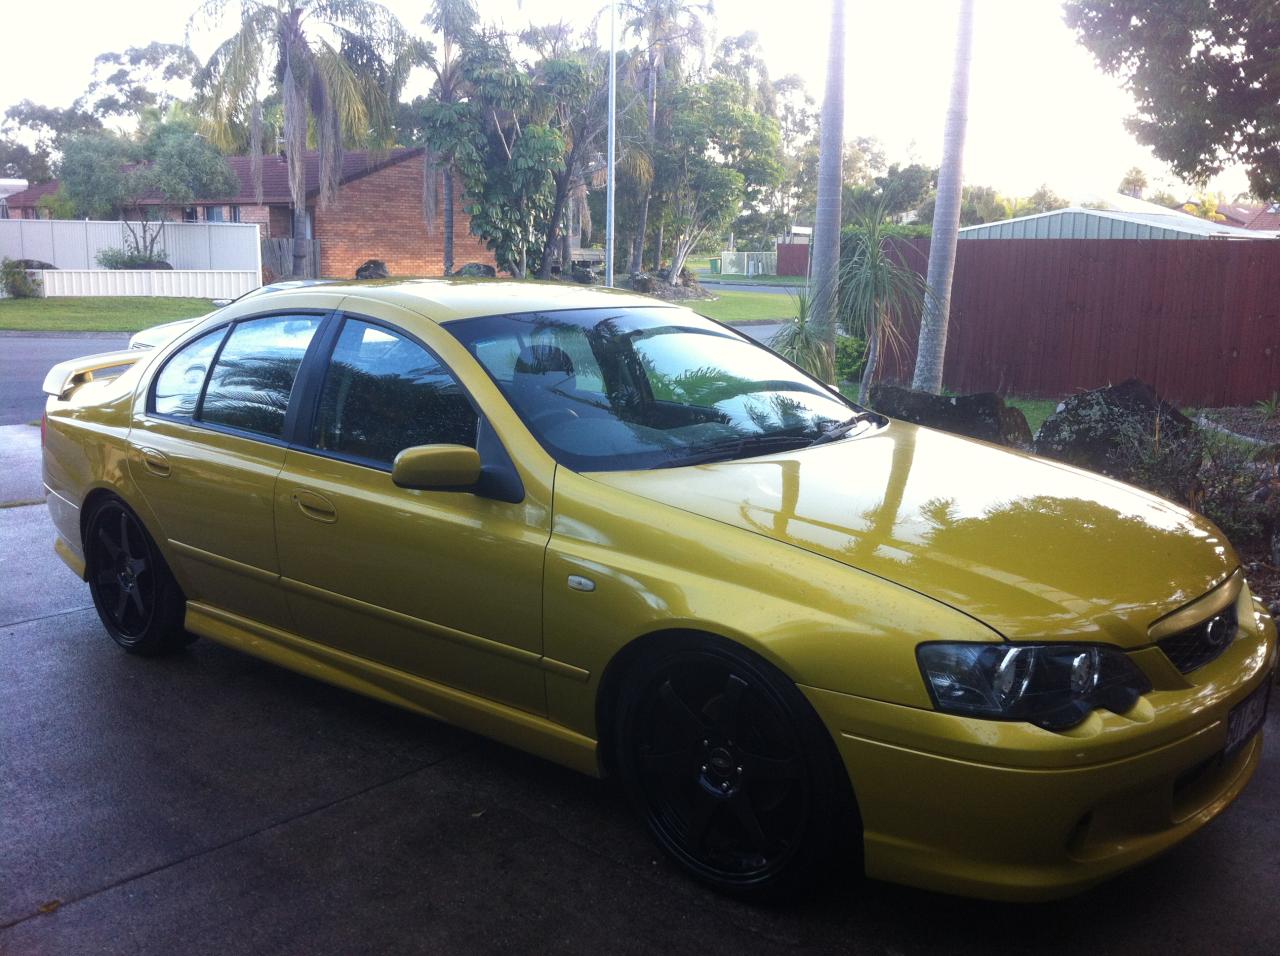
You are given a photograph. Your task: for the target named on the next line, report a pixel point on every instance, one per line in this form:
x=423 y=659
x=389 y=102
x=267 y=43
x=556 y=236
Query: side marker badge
x=579 y=583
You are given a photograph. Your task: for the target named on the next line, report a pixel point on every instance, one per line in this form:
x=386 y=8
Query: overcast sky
x=1039 y=111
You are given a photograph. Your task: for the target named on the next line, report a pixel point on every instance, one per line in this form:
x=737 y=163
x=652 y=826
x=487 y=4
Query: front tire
x=134 y=592
x=731 y=769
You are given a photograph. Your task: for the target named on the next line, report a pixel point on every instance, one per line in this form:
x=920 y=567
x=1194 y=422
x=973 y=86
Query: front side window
x=383 y=393
x=177 y=388
x=613 y=389
x=250 y=385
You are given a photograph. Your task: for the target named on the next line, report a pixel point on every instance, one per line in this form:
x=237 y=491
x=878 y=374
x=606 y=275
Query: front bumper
x=1008 y=811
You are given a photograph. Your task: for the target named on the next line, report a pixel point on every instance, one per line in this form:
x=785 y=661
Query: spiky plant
x=803 y=342
x=879 y=292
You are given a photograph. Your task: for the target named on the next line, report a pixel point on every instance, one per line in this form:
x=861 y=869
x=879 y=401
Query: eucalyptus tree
x=339 y=66
x=723 y=156
x=824 y=261
x=666 y=29
x=932 y=349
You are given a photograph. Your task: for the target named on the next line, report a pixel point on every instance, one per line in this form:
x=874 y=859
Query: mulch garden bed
x=1246 y=420
x=1262 y=575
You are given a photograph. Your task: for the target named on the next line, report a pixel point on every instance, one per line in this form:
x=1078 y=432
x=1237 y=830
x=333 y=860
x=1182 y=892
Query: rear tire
x=731 y=769
x=134 y=592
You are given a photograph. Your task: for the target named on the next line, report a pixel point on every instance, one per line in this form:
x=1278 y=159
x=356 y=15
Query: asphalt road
x=26 y=356
x=212 y=803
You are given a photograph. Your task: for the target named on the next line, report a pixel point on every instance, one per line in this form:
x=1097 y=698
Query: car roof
x=448 y=300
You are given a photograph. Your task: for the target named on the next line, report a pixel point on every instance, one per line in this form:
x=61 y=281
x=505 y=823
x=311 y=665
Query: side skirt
x=508 y=725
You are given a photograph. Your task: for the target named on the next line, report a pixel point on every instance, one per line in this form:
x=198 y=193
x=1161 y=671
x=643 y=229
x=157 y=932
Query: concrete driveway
x=212 y=803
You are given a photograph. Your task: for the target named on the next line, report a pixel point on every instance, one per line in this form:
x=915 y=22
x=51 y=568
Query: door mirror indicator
x=439 y=467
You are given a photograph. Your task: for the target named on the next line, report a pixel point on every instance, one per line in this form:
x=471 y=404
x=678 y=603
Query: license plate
x=1246 y=718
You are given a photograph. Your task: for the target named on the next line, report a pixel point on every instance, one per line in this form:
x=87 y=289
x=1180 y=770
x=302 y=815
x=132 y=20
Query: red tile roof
x=1239 y=214
x=275 y=178
x=1267 y=218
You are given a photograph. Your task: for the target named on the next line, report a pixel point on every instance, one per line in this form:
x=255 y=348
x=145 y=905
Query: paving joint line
x=310 y=811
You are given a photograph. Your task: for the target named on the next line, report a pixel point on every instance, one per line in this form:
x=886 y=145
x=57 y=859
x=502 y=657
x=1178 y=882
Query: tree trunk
x=826 y=227
x=637 y=246
x=873 y=363
x=448 y=219
x=553 y=225
x=946 y=219
x=657 y=249
x=299 y=241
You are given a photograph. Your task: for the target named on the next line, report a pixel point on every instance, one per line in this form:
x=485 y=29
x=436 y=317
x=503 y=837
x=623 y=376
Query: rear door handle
x=155 y=462
x=314 y=506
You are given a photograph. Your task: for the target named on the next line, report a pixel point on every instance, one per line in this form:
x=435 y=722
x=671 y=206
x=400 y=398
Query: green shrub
x=1233 y=487
x=851 y=358
x=17 y=282
x=120 y=259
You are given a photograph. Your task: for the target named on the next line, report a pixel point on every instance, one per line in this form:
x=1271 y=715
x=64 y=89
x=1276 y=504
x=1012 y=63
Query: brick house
x=377 y=213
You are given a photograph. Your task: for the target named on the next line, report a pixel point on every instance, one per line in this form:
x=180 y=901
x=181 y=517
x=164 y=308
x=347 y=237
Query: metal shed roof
x=1077 y=222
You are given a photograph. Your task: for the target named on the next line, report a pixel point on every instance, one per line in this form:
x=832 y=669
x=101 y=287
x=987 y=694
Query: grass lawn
x=1036 y=409
x=96 y=313
x=733 y=307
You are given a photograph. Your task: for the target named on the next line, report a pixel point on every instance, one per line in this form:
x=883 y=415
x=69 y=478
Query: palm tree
x=339 y=66
x=664 y=28
x=455 y=21
x=879 y=292
x=946 y=218
x=825 y=254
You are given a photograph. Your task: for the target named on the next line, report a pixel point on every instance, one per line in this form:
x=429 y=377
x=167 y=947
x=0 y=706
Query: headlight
x=1054 y=686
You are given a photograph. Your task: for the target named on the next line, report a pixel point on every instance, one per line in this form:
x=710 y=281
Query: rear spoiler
x=65 y=377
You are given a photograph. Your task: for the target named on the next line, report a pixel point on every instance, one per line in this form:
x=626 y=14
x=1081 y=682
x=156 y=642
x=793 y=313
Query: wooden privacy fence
x=277 y=258
x=1199 y=319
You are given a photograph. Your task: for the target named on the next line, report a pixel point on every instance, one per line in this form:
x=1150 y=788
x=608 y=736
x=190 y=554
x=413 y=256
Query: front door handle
x=314 y=506
x=155 y=462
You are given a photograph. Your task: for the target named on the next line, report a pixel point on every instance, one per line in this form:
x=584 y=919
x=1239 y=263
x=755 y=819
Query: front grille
x=1197 y=646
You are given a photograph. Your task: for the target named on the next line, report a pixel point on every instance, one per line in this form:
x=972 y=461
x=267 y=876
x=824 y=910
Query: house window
x=235 y=213
x=190 y=214
x=213 y=214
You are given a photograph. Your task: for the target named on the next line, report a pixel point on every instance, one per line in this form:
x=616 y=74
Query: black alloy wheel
x=731 y=770
x=133 y=590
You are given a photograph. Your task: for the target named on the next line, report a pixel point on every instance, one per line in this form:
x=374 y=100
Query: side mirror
x=442 y=467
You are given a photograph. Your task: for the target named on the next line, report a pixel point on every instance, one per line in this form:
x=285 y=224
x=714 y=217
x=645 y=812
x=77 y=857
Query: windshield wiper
x=836 y=432
x=736 y=447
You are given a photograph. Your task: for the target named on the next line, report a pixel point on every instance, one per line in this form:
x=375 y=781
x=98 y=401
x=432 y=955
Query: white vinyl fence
x=186 y=283
x=226 y=257
x=749 y=263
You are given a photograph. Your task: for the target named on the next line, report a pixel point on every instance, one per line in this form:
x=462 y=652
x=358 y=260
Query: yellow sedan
x=629 y=539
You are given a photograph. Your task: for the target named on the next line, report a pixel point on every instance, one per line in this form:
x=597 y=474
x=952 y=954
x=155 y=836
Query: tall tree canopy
x=1204 y=75
x=339 y=66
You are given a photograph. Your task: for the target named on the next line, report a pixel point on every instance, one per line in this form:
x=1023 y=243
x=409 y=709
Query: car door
x=205 y=451
x=445 y=585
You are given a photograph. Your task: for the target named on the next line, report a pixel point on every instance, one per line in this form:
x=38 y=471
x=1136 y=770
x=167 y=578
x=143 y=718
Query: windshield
x=614 y=389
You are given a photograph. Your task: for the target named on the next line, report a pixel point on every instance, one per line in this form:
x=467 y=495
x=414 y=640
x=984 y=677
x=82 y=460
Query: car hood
x=1035 y=549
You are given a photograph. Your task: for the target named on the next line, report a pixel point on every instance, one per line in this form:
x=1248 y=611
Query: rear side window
x=177 y=388
x=383 y=393
x=250 y=385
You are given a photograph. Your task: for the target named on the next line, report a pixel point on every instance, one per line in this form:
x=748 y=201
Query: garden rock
x=984 y=416
x=642 y=282
x=34 y=265
x=477 y=270
x=372 y=269
x=1128 y=432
